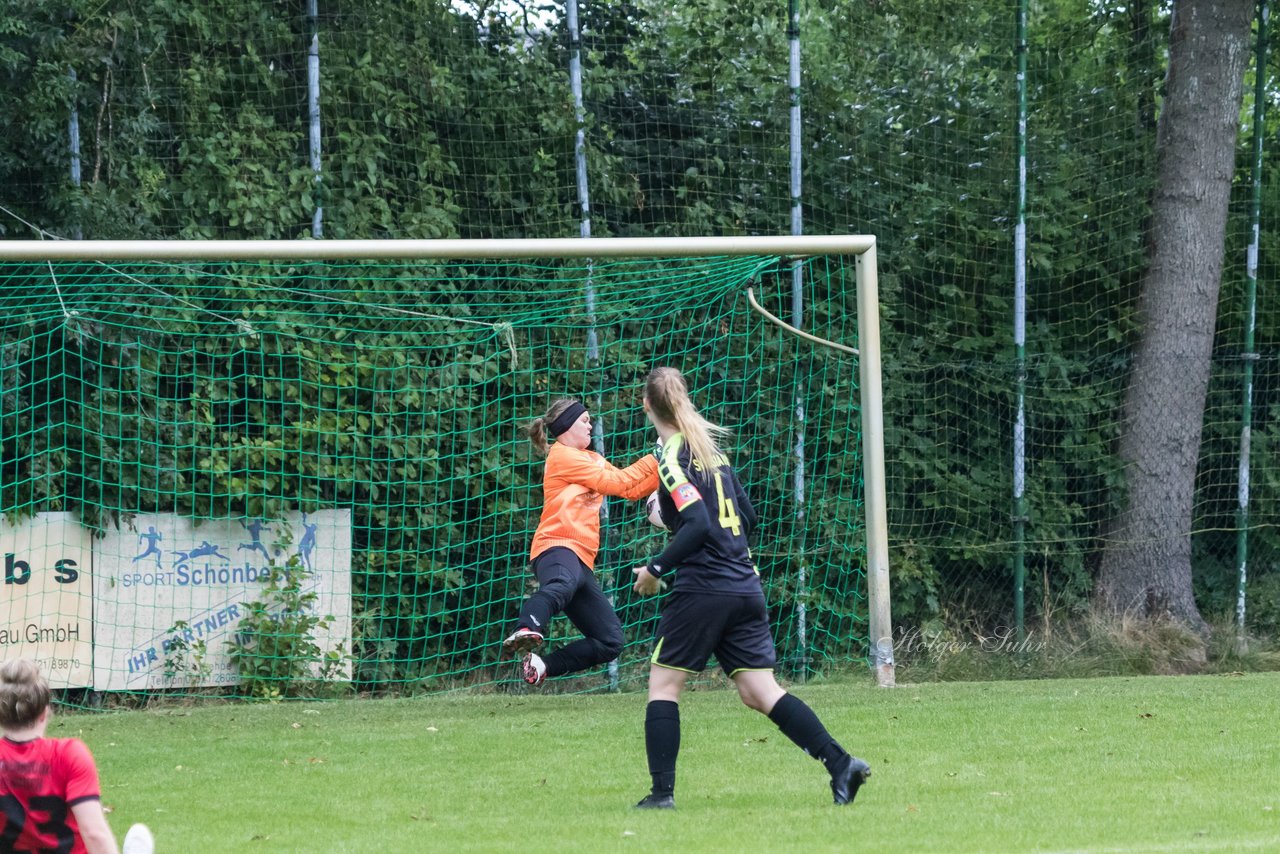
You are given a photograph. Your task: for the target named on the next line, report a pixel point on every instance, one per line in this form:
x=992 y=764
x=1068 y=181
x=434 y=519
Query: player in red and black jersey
x=716 y=604
x=49 y=795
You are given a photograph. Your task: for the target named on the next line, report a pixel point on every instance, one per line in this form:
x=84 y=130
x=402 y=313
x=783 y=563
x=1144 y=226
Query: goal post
x=879 y=616
x=221 y=347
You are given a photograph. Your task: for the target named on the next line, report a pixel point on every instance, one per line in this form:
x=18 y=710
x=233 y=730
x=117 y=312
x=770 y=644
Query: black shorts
x=693 y=626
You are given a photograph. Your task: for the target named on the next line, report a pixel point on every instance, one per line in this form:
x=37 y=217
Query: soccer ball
x=655 y=511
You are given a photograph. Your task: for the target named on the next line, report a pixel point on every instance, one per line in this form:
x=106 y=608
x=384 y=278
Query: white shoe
x=138 y=841
x=522 y=640
x=533 y=669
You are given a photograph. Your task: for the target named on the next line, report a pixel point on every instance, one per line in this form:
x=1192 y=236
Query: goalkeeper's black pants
x=566 y=586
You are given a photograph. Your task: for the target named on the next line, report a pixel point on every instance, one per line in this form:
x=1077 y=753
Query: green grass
x=1121 y=764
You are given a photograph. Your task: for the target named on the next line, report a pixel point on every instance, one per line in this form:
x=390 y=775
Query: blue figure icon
x=255 y=533
x=307 y=543
x=152 y=536
x=205 y=549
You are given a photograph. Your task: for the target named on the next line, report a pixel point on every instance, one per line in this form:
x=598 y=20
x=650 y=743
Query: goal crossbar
x=336 y=250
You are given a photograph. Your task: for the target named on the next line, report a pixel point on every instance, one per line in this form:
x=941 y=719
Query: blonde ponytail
x=668 y=397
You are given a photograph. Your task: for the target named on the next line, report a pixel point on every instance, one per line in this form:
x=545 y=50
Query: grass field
x=1119 y=764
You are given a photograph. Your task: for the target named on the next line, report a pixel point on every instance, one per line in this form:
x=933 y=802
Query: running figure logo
x=255 y=534
x=308 y=542
x=152 y=536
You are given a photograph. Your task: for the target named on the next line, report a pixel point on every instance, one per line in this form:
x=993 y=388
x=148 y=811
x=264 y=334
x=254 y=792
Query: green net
x=269 y=480
x=457 y=118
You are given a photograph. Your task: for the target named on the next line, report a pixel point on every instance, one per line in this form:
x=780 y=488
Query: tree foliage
x=446 y=119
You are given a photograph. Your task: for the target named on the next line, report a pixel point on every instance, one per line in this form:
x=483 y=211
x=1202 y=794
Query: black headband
x=566 y=419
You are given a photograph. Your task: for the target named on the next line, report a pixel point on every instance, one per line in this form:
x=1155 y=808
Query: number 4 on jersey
x=728 y=510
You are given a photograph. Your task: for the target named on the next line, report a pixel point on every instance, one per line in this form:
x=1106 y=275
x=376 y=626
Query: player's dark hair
x=24 y=693
x=537 y=429
x=669 y=400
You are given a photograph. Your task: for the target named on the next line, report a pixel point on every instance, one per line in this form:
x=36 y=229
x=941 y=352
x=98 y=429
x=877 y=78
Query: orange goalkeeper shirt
x=574 y=484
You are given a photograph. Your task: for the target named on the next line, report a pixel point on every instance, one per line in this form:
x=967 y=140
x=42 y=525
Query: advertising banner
x=46 y=608
x=171 y=594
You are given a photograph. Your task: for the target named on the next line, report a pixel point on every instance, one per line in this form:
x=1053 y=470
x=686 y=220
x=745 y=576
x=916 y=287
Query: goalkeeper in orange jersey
x=565 y=544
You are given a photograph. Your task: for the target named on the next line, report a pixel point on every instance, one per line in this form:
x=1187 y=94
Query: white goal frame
x=862 y=246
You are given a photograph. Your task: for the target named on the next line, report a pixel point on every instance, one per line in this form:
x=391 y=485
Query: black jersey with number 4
x=710 y=518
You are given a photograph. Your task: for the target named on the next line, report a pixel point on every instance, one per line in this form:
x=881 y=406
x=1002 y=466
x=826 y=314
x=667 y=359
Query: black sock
x=798 y=723
x=662 y=743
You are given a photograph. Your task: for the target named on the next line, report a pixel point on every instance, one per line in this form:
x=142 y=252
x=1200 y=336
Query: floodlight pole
x=797 y=320
x=589 y=288
x=73 y=140
x=1249 y=354
x=313 y=115
x=1019 y=513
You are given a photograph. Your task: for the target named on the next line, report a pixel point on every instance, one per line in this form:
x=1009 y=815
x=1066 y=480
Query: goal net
x=257 y=477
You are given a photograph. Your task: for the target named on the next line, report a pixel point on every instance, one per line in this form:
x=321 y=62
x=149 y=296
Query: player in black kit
x=716 y=604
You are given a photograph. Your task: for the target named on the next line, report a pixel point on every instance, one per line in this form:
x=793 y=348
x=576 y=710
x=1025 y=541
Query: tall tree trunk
x=1146 y=568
